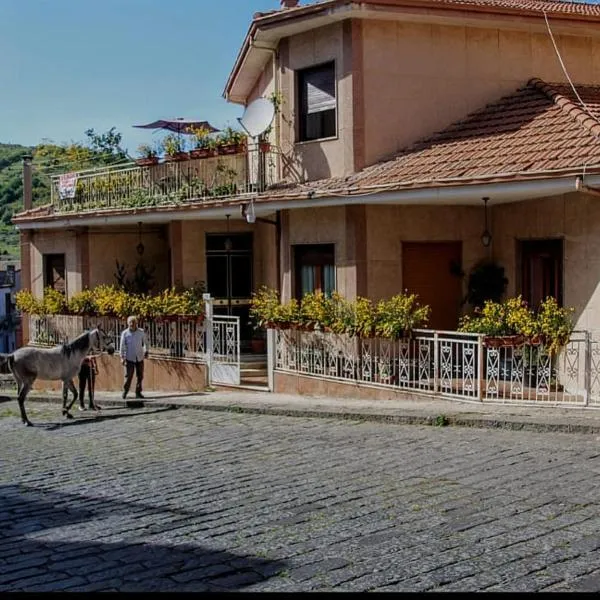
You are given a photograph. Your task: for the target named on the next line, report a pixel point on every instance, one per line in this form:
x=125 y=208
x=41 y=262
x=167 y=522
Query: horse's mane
x=79 y=343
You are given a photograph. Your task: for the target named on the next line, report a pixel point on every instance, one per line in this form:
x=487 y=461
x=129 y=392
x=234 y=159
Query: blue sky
x=67 y=65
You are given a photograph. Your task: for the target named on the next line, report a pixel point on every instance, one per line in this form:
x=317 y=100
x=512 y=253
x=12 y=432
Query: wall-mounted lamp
x=486 y=236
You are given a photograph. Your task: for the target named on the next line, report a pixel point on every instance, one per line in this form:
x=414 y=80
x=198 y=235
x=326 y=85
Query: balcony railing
x=169 y=182
x=450 y=364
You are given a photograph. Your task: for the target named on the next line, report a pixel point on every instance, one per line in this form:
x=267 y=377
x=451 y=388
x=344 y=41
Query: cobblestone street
x=190 y=500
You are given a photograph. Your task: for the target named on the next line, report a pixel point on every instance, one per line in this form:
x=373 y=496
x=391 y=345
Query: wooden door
x=431 y=270
x=541 y=270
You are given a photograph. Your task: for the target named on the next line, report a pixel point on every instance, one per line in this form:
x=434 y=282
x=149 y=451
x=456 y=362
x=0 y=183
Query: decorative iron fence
x=181 y=338
x=170 y=182
x=452 y=364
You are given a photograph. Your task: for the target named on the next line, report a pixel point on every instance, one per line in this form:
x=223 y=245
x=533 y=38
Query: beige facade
x=419 y=78
x=573 y=218
x=398 y=79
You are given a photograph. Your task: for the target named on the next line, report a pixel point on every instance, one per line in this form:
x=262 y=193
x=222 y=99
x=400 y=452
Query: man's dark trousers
x=130 y=367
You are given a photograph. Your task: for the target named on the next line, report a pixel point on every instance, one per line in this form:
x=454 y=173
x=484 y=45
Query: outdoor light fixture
x=486 y=236
x=140 y=246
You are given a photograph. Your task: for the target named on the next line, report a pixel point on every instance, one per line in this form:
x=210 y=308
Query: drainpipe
x=581 y=187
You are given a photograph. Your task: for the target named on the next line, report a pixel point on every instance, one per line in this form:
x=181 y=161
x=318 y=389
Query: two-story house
x=414 y=138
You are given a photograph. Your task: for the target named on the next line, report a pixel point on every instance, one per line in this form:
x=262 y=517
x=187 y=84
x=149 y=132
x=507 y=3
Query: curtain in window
x=307 y=275
x=328 y=279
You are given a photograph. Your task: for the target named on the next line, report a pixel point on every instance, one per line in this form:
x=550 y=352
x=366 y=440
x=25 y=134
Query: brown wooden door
x=541 y=270
x=430 y=269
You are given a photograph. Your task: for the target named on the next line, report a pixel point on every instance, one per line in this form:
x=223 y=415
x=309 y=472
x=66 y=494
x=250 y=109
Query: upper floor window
x=54 y=272
x=316 y=99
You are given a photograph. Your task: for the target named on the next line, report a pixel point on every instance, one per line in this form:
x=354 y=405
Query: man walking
x=133 y=352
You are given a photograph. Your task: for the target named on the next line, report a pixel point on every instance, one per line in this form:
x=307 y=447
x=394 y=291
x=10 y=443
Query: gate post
x=271 y=350
x=208 y=327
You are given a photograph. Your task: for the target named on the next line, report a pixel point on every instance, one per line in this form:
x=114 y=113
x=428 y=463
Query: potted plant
x=507 y=323
x=174 y=148
x=148 y=155
x=231 y=141
x=205 y=146
x=258 y=343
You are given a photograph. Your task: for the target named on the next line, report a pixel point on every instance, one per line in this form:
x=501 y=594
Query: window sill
x=317 y=141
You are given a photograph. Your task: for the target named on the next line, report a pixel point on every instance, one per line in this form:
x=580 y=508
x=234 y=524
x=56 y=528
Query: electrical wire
x=564 y=68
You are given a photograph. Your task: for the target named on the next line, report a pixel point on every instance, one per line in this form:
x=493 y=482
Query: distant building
x=10 y=322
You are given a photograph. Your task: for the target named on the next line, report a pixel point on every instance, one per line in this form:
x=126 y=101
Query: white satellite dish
x=257 y=117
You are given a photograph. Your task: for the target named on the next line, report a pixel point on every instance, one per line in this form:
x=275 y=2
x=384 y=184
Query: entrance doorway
x=541 y=270
x=432 y=270
x=229 y=277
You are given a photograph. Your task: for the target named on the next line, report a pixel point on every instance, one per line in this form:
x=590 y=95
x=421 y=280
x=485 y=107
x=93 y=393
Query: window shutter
x=320 y=90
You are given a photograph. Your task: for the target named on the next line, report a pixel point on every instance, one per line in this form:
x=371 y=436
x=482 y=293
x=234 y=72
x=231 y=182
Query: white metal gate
x=224 y=355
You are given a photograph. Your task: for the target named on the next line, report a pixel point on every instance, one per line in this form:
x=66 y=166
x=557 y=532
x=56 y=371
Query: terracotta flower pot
x=202 y=152
x=179 y=156
x=147 y=161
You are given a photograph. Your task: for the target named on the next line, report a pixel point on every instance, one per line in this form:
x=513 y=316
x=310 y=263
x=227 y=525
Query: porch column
x=26 y=238
x=285 y=276
x=176 y=246
x=356 y=251
x=82 y=241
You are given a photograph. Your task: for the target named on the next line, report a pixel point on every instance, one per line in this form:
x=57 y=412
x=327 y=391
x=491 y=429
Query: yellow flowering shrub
x=109 y=300
x=27 y=303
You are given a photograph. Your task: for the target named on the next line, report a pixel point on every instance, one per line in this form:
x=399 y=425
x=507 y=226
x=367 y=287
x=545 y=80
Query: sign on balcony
x=66 y=185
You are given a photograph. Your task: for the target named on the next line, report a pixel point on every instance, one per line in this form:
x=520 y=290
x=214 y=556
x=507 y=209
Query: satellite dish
x=257 y=116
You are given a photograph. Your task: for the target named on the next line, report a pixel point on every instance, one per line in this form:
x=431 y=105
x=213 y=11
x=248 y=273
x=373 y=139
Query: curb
x=399 y=419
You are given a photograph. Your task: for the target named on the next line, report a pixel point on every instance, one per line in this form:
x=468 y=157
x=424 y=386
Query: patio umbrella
x=179 y=125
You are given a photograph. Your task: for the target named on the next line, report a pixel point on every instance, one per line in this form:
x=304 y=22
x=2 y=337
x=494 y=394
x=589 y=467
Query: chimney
x=288 y=3
x=27 y=196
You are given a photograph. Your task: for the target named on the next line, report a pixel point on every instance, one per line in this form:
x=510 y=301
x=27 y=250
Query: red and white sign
x=66 y=185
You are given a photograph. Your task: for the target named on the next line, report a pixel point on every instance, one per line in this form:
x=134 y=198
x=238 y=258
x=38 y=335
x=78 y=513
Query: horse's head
x=101 y=341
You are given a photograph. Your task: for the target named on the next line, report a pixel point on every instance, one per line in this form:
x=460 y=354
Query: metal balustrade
x=178 y=338
x=169 y=182
x=451 y=364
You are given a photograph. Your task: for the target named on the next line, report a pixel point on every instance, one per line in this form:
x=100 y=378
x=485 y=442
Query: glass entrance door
x=229 y=276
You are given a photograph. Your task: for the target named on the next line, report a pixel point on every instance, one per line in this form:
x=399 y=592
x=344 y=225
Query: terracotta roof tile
x=540 y=127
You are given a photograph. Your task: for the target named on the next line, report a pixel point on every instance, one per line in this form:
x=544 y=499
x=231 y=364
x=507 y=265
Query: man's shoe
x=139 y=395
x=124 y=395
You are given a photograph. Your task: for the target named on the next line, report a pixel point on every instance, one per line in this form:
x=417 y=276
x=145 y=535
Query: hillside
x=48 y=158
x=11 y=194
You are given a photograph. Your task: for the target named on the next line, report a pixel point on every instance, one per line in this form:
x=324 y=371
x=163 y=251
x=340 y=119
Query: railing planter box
x=232 y=149
x=203 y=153
x=177 y=157
x=147 y=162
x=491 y=341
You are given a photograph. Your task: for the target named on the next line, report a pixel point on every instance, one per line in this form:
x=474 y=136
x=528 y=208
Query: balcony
x=170 y=182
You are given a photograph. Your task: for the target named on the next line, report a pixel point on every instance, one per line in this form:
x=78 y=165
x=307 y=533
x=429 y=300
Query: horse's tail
x=6 y=361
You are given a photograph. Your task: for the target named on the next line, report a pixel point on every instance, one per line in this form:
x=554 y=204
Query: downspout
x=275 y=56
x=581 y=187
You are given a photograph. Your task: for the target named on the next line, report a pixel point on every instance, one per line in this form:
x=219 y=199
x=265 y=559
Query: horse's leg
x=68 y=385
x=24 y=390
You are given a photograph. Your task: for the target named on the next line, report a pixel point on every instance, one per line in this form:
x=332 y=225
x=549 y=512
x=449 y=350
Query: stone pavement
x=425 y=411
x=162 y=499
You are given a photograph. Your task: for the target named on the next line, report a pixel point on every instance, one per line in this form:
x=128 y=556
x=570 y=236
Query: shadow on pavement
x=42 y=549
x=94 y=417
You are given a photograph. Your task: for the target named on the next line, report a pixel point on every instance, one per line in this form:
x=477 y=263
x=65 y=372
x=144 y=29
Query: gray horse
x=61 y=362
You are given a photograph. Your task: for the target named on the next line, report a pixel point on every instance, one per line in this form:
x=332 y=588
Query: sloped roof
x=539 y=130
